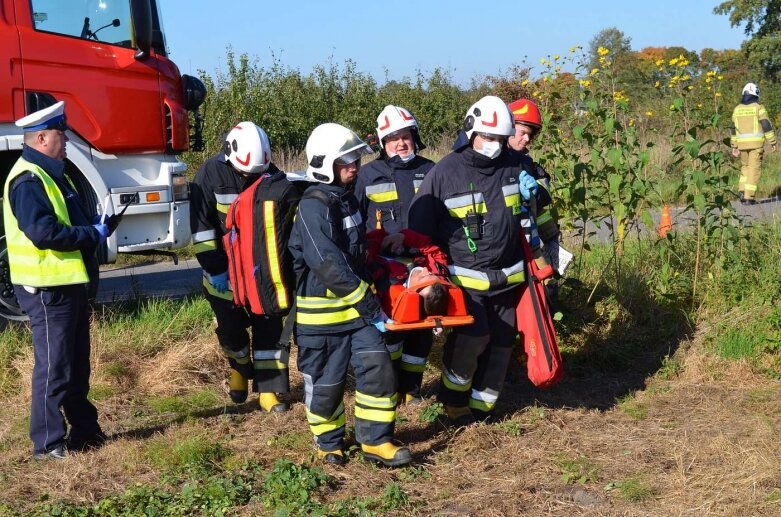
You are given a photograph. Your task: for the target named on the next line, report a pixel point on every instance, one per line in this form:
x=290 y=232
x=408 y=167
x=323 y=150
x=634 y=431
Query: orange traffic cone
x=666 y=222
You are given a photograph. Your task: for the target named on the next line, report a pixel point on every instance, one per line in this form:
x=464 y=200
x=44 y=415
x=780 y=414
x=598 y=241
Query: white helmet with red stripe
x=331 y=143
x=248 y=149
x=392 y=119
x=489 y=115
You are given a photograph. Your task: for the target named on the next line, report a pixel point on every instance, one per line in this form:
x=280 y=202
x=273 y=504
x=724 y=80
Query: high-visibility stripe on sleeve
x=227 y=295
x=273 y=255
x=326 y=318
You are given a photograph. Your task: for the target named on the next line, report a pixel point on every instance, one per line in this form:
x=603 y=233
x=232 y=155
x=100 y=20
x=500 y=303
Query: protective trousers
x=750 y=170
x=268 y=364
x=476 y=356
x=323 y=362
x=409 y=351
x=59 y=318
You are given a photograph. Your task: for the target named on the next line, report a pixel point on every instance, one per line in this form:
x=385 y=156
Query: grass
x=650 y=386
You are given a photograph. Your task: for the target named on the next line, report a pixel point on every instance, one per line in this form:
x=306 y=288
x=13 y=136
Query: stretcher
x=404 y=305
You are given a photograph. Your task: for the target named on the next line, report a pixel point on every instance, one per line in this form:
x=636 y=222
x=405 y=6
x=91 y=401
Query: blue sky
x=470 y=38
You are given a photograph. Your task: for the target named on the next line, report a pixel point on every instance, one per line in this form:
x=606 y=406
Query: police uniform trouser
x=268 y=358
x=476 y=356
x=750 y=170
x=409 y=351
x=323 y=362
x=59 y=318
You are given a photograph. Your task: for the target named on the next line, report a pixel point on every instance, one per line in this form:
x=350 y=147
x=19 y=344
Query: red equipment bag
x=535 y=326
x=258 y=227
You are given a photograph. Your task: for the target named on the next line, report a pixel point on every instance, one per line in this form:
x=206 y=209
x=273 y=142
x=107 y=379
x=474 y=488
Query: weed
x=629 y=405
x=291 y=441
x=393 y=497
x=15 y=339
x=432 y=413
x=199 y=451
x=671 y=368
x=289 y=487
x=536 y=413
x=738 y=344
x=408 y=474
x=98 y=392
x=633 y=489
x=577 y=470
x=774 y=497
x=511 y=428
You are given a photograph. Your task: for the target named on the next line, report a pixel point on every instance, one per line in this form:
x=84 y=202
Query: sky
x=471 y=39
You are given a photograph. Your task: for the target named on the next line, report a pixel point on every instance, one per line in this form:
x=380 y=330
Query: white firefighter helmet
x=489 y=115
x=248 y=149
x=751 y=89
x=392 y=119
x=329 y=142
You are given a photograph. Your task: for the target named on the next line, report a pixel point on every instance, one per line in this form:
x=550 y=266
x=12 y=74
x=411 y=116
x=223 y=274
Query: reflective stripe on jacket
x=751 y=127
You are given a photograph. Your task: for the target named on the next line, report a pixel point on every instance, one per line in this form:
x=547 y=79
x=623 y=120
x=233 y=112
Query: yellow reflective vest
x=30 y=265
x=752 y=127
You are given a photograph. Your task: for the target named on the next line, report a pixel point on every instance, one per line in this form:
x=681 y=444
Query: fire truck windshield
x=107 y=21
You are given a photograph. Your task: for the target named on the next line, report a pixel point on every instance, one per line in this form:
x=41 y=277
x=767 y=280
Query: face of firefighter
x=400 y=143
x=522 y=138
x=346 y=173
x=489 y=145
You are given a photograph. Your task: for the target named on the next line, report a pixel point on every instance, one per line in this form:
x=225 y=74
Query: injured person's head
x=434 y=295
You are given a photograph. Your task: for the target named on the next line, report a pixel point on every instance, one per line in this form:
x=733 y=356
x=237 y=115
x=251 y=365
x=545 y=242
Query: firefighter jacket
x=751 y=125
x=215 y=186
x=48 y=229
x=471 y=208
x=385 y=188
x=328 y=244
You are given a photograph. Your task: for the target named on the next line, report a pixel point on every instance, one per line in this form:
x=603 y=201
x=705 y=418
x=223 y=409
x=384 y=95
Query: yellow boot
x=335 y=458
x=237 y=384
x=386 y=453
x=270 y=403
x=460 y=415
x=413 y=399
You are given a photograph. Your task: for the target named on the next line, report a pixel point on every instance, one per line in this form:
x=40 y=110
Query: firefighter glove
x=220 y=282
x=528 y=185
x=380 y=320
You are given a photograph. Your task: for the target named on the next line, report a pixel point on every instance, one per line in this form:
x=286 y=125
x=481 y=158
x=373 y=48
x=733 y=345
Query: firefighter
x=245 y=156
x=542 y=228
x=52 y=238
x=384 y=189
x=750 y=128
x=470 y=206
x=338 y=319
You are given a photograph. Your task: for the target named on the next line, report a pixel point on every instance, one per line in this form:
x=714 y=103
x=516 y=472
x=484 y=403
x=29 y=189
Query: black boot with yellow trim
x=460 y=416
x=270 y=403
x=335 y=457
x=387 y=453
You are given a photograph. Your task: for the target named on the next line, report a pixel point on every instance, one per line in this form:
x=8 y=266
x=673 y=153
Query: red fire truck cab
x=127 y=105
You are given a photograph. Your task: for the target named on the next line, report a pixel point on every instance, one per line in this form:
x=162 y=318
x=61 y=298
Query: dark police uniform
x=385 y=189
x=471 y=208
x=335 y=306
x=215 y=186
x=59 y=314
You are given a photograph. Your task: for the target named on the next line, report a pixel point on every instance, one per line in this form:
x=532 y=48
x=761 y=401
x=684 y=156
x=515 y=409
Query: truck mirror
x=141 y=12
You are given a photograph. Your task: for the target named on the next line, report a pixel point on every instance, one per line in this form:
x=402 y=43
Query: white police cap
x=52 y=117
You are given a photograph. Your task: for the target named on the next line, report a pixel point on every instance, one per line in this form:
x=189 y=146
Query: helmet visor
x=349 y=158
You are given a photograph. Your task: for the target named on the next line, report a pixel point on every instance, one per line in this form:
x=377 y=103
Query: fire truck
x=127 y=105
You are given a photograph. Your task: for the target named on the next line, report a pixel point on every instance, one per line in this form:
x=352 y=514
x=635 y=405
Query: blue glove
x=528 y=185
x=380 y=320
x=95 y=219
x=220 y=282
x=102 y=232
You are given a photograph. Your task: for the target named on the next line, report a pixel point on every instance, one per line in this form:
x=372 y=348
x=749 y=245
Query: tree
x=763 y=26
x=612 y=39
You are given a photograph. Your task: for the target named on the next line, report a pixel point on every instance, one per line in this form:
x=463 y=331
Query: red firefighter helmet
x=527 y=113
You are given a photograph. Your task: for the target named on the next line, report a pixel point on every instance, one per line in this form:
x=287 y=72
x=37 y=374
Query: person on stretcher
x=410 y=276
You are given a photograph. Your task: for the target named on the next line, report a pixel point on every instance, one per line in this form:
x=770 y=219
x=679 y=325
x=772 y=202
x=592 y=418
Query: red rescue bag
x=260 y=268
x=535 y=326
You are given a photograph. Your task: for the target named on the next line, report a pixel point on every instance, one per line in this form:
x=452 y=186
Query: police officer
x=384 y=189
x=52 y=238
x=246 y=155
x=470 y=205
x=338 y=319
x=750 y=128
